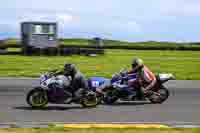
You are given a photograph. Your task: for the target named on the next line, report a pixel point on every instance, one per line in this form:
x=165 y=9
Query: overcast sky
x=127 y=20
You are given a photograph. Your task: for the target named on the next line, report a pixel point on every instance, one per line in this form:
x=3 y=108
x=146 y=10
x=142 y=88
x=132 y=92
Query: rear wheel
x=37 y=98
x=160 y=96
x=110 y=97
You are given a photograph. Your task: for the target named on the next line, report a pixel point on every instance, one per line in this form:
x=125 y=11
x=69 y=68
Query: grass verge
x=95 y=130
x=13 y=49
x=183 y=64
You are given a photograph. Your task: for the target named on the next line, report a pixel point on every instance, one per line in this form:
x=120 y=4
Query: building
x=39 y=34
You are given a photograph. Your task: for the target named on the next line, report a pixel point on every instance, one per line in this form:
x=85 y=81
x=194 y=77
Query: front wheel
x=37 y=98
x=100 y=97
x=89 y=100
x=160 y=96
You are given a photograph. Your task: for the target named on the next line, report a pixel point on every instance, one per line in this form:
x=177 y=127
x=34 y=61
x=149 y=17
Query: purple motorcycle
x=57 y=90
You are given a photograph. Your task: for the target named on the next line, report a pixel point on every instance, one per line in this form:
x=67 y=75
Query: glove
x=123 y=72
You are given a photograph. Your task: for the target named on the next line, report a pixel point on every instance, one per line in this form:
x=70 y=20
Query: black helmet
x=69 y=69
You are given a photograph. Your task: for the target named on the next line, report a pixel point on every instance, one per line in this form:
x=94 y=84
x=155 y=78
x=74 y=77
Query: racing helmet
x=69 y=69
x=137 y=63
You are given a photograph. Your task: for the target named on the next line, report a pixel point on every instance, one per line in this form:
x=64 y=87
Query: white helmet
x=137 y=62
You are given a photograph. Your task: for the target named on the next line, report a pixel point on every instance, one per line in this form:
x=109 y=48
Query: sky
x=125 y=20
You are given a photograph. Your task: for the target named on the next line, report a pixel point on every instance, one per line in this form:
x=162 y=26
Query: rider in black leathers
x=79 y=83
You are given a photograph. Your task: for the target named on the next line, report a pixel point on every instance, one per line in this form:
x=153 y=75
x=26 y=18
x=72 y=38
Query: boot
x=140 y=95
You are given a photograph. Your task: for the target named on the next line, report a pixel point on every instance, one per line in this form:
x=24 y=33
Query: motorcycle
x=57 y=90
x=119 y=88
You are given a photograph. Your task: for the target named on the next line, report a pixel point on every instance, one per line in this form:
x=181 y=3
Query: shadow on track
x=61 y=108
x=123 y=103
x=48 y=108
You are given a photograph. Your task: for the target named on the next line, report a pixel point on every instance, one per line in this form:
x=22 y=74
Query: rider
x=78 y=81
x=145 y=77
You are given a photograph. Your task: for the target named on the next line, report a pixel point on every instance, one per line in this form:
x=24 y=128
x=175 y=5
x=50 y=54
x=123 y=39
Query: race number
x=95 y=83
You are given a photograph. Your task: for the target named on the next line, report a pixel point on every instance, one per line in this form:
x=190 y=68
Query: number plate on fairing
x=95 y=83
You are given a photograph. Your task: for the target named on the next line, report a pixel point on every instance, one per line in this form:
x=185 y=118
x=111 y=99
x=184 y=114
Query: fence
x=91 y=49
x=51 y=51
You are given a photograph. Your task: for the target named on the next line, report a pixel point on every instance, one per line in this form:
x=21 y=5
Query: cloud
x=145 y=19
x=32 y=17
x=60 y=17
x=63 y=19
x=177 y=7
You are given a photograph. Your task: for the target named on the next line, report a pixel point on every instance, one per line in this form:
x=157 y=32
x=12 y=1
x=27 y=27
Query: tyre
x=100 y=97
x=163 y=96
x=37 y=98
x=110 y=97
x=110 y=100
x=90 y=100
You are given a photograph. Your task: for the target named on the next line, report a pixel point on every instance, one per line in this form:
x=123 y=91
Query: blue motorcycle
x=119 y=89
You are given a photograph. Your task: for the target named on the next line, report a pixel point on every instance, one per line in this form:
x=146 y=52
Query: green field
x=183 y=64
x=135 y=45
x=79 y=41
x=93 y=130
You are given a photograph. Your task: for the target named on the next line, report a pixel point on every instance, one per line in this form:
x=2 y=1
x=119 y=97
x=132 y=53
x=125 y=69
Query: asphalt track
x=182 y=107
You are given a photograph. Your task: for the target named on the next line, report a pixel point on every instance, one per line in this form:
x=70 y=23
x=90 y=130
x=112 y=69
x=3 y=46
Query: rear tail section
x=162 y=78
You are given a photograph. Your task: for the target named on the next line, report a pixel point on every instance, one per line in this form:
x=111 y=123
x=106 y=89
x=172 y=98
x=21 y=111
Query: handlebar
x=121 y=73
